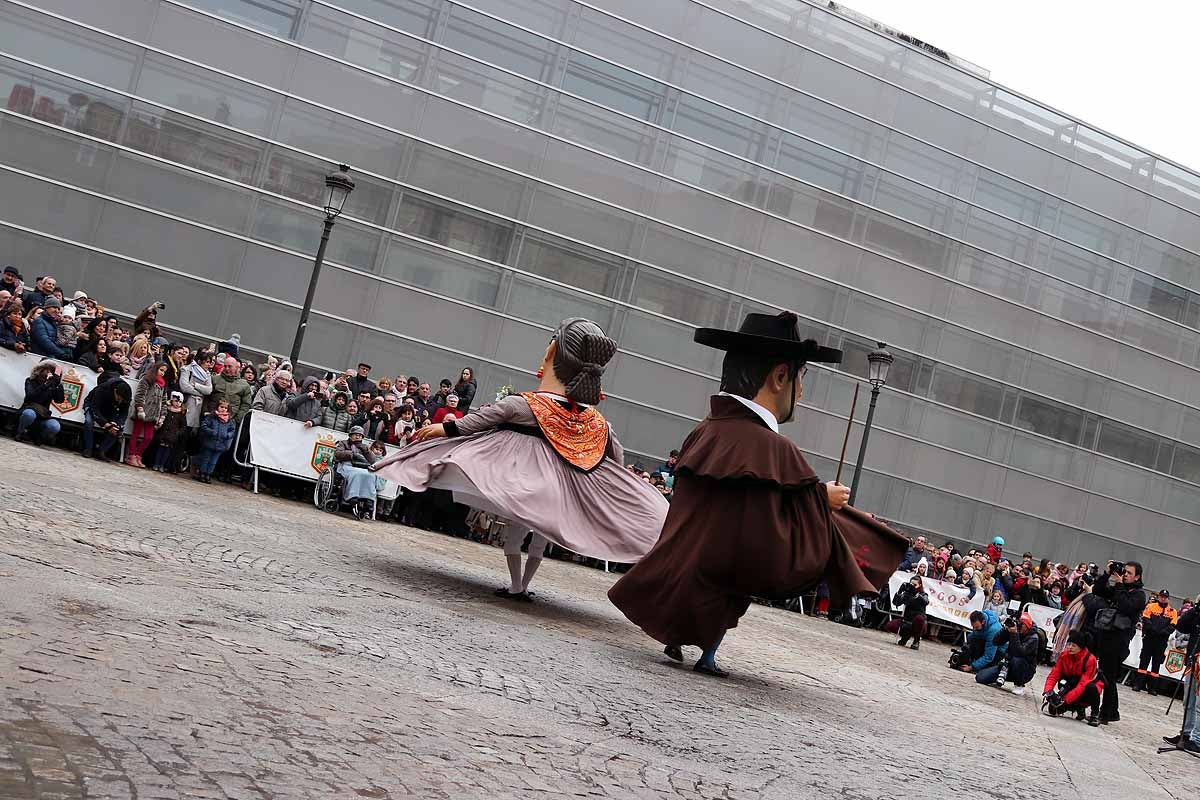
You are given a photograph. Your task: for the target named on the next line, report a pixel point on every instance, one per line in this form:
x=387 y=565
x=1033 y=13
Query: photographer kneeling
x=986 y=644
x=912 y=623
x=1019 y=664
x=1082 y=684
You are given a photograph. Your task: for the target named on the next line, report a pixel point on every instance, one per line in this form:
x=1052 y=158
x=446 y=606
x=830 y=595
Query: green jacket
x=235 y=390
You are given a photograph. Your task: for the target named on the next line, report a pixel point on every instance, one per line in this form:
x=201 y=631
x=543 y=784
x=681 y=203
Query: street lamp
x=878 y=363
x=338 y=187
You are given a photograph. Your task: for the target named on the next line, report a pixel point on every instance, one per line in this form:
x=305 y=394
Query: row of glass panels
x=374 y=148
x=1004 y=245
x=336 y=341
x=877 y=72
x=182 y=140
x=36 y=204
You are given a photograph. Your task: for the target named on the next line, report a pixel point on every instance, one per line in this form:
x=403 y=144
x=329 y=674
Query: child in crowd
x=407 y=423
x=170 y=434
x=216 y=435
x=148 y=407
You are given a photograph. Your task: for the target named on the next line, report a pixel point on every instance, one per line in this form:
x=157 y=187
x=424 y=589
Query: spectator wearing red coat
x=995 y=550
x=448 y=411
x=1085 y=686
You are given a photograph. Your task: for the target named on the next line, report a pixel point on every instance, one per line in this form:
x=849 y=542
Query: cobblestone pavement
x=163 y=639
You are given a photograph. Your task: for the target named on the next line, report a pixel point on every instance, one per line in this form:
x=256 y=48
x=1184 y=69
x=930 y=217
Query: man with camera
x=985 y=645
x=1113 y=627
x=1019 y=663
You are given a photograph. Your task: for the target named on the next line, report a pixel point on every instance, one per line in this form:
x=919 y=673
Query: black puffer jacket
x=40 y=394
x=1129 y=601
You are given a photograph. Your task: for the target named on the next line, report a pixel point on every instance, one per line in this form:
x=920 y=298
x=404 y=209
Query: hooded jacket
x=303 y=408
x=988 y=634
x=335 y=416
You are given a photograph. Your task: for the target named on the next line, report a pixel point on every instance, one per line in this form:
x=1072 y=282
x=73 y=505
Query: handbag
x=1109 y=621
x=42 y=411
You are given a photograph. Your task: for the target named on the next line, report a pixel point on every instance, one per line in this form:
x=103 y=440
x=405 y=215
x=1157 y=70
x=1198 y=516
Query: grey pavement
x=164 y=639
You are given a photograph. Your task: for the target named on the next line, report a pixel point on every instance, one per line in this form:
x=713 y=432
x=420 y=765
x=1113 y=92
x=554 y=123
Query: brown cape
x=749 y=518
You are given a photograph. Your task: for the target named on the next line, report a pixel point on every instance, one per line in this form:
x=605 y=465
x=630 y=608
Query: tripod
x=1189 y=685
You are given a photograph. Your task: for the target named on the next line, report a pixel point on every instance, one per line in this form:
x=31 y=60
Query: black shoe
x=1172 y=740
x=1080 y=715
x=1191 y=747
x=902 y=642
x=207 y=479
x=916 y=645
x=1152 y=690
x=673 y=652
x=1094 y=721
x=86 y=454
x=712 y=670
x=21 y=438
x=198 y=478
x=507 y=595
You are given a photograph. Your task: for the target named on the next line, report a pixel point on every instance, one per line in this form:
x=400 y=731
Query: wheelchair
x=327 y=493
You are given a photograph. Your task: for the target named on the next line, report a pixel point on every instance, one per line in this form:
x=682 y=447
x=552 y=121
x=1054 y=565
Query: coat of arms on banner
x=72 y=386
x=323 y=450
x=1174 y=662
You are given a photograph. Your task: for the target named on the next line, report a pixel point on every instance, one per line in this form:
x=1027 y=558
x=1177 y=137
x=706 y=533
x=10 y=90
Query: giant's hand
x=838 y=495
x=429 y=432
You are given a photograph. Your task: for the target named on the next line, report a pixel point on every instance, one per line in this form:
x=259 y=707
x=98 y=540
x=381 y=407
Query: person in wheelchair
x=352 y=457
x=1075 y=684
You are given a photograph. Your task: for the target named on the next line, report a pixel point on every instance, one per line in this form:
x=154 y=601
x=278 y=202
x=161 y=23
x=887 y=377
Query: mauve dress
x=607 y=513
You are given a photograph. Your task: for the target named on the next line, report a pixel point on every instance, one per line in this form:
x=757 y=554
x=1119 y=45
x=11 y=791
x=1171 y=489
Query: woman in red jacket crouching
x=1079 y=671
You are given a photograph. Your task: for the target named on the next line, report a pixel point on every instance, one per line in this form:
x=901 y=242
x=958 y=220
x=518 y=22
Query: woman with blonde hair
x=139 y=354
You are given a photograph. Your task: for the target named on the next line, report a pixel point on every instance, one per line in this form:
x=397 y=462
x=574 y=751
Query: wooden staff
x=846 y=440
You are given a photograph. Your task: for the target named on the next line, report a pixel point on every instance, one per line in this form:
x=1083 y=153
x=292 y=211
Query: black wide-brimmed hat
x=763 y=334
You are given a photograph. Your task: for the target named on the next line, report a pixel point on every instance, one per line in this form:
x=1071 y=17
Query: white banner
x=947 y=602
x=284 y=445
x=1172 y=666
x=77 y=379
x=1043 y=617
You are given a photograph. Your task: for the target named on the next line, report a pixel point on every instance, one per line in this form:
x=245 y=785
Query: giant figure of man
x=750 y=517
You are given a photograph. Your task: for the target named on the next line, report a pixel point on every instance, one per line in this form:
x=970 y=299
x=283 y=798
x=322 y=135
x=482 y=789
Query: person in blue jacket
x=216 y=435
x=981 y=641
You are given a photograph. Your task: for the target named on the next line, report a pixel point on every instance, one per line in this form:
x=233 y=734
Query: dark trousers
x=914 y=628
x=1111 y=667
x=1154 y=651
x=1090 y=699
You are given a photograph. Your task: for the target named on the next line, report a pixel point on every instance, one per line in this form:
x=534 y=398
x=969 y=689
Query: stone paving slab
x=163 y=639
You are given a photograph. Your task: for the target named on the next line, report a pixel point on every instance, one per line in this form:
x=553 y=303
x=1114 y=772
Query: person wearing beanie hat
x=43 y=332
x=570 y=485
x=169 y=438
x=232 y=345
x=352 y=458
x=995 y=550
x=1079 y=670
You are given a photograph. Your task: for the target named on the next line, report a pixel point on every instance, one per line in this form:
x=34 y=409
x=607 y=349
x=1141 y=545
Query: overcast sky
x=1127 y=67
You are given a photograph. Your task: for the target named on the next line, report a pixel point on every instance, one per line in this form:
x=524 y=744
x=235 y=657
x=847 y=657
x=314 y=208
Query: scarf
x=160 y=381
x=1072 y=619
x=223 y=414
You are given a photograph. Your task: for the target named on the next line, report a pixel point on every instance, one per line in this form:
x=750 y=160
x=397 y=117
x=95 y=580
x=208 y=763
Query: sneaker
x=1094 y=721
x=1080 y=715
x=1172 y=740
x=916 y=645
x=1019 y=691
x=998 y=683
x=1190 y=747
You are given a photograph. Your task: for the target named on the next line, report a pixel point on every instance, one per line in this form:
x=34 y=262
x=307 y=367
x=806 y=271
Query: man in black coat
x=1113 y=627
x=361 y=382
x=105 y=409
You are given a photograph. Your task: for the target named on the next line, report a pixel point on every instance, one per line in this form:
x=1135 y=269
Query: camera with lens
x=1054 y=702
x=1012 y=619
x=957 y=658
x=1117 y=567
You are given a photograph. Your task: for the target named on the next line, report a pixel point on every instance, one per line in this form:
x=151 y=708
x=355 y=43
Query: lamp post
x=878 y=363
x=338 y=187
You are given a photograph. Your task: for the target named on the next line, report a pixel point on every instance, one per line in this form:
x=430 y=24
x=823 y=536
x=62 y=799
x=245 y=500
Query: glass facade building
x=655 y=166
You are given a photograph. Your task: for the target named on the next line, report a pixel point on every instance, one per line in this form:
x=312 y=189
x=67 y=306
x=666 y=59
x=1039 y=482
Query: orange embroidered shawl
x=580 y=437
